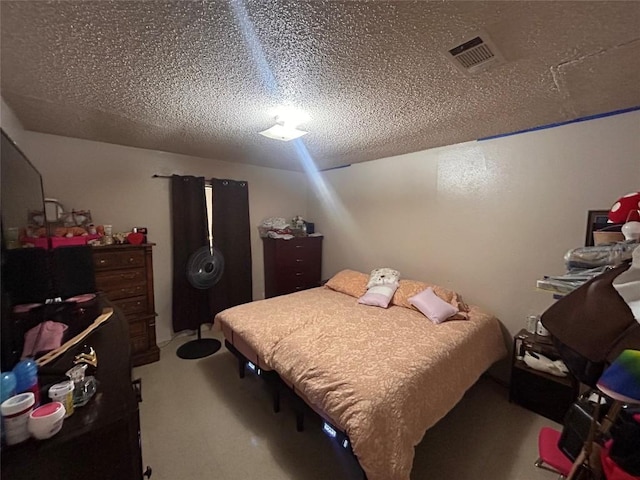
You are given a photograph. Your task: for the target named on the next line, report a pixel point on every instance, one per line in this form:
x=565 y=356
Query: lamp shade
x=621 y=381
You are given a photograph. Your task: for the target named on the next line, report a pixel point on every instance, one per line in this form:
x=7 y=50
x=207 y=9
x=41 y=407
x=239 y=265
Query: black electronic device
x=21 y=198
x=310 y=227
x=72 y=271
x=25 y=274
x=577 y=424
x=33 y=277
x=205 y=267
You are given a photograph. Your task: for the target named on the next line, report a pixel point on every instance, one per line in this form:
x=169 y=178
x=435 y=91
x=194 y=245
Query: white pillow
x=432 y=306
x=379 y=295
x=383 y=276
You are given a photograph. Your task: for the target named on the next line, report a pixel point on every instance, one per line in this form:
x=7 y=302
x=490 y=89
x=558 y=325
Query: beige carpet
x=201 y=421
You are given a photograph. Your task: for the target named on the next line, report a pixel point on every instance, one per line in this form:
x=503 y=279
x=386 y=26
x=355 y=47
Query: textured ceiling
x=202 y=77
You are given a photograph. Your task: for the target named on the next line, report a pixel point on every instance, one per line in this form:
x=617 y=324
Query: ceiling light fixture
x=287 y=119
x=283 y=132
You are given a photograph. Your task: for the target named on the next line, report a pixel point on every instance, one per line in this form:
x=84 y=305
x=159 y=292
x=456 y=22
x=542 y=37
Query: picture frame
x=596 y=219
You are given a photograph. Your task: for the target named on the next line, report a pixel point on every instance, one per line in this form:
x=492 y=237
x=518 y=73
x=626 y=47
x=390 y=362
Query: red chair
x=550 y=457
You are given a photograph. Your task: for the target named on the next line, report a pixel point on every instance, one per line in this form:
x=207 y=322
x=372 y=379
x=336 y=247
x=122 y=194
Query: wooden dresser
x=291 y=265
x=124 y=273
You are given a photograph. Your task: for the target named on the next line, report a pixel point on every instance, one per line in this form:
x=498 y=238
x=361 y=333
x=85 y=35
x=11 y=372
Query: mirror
x=53 y=210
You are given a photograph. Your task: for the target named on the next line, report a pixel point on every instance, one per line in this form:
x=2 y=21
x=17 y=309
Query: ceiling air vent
x=475 y=54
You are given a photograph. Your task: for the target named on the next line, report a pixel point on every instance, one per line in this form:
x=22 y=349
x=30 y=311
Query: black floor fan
x=204 y=269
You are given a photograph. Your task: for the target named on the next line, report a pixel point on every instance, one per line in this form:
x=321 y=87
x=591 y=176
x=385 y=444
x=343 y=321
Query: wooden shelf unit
x=541 y=392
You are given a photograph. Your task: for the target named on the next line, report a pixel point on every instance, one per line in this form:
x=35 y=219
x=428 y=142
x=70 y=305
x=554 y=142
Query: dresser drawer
x=299 y=261
x=138 y=328
x=121 y=278
x=122 y=259
x=291 y=286
x=298 y=276
x=297 y=253
x=139 y=344
x=133 y=305
x=118 y=293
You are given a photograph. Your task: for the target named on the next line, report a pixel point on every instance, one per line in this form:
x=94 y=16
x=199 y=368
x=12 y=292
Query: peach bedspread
x=384 y=376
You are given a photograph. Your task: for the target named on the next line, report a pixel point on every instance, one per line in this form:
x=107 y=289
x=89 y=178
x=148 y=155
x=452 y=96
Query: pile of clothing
x=585 y=263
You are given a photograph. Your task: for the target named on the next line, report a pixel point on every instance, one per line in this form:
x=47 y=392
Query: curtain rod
x=208 y=183
x=155 y=175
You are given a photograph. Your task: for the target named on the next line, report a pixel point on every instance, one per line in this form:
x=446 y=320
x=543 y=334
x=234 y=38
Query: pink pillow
x=44 y=337
x=432 y=306
x=379 y=296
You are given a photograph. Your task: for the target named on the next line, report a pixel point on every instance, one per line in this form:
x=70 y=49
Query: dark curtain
x=189 y=229
x=232 y=236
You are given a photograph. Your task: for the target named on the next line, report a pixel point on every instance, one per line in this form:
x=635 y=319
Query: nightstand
x=540 y=392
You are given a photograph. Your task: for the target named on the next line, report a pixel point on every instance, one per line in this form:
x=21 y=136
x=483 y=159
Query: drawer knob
x=298 y=260
x=298 y=274
x=102 y=261
x=131 y=259
x=299 y=246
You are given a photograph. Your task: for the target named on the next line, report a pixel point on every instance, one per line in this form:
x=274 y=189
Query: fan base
x=199 y=348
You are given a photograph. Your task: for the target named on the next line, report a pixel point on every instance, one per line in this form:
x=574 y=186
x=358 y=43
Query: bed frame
x=277 y=387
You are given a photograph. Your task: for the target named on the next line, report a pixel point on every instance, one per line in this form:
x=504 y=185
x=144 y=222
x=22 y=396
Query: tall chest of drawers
x=124 y=273
x=291 y=265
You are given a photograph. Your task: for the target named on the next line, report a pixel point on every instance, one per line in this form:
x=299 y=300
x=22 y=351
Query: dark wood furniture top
x=291 y=265
x=98 y=441
x=124 y=273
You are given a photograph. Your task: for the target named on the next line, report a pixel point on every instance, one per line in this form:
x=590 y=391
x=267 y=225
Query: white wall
x=115 y=183
x=484 y=218
x=10 y=123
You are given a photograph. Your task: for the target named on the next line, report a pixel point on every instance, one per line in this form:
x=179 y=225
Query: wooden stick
x=53 y=354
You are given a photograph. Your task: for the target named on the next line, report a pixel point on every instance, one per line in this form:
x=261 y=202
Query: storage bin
x=41 y=242
x=601 y=238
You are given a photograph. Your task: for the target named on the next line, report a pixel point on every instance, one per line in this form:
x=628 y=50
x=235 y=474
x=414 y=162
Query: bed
x=382 y=376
